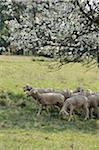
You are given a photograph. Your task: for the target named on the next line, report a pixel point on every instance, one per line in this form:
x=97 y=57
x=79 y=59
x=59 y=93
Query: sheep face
x=27 y=88
x=32 y=93
x=78 y=89
x=27 y=94
x=64 y=113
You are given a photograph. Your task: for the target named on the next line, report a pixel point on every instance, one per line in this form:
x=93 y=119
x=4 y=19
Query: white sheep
x=78 y=89
x=93 y=101
x=88 y=92
x=40 y=90
x=75 y=102
x=47 y=99
x=27 y=88
x=84 y=93
x=66 y=93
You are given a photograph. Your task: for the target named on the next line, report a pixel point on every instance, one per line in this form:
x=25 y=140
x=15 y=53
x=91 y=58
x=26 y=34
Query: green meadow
x=20 y=128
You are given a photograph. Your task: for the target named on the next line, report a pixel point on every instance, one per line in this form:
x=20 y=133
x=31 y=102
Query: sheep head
x=29 y=93
x=33 y=93
x=63 y=113
x=78 y=89
x=27 y=88
x=66 y=93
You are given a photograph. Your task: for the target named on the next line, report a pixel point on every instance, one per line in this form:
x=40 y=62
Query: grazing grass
x=20 y=128
x=17 y=71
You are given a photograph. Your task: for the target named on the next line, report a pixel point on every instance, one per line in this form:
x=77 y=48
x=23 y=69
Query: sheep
x=66 y=93
x=93 y=101
x=27 y=88
x=92 y=98
x=78 y=89
x=40 y=90
x=46 y=99
x=88 y=92
x=72 y=103
x=83 y=92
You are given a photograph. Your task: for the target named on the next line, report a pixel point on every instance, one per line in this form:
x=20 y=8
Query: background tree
x=5 y=16
x=65 y=29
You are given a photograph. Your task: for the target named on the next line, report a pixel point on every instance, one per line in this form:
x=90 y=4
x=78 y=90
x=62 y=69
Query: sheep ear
x=27 y=85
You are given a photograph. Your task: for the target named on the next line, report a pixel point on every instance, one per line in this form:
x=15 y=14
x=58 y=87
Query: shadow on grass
x=17 y=115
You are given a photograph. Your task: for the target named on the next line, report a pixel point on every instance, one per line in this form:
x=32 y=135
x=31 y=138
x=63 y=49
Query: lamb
x=47 y=99
x=75 y=102
x=40 y=90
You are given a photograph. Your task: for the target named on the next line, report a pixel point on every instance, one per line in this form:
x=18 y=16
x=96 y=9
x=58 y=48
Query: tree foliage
x=66 y=29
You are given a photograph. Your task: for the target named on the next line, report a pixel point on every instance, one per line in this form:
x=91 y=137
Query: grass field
x=20 y=128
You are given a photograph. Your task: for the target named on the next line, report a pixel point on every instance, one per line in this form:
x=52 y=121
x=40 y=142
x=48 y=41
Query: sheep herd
x=67 y=101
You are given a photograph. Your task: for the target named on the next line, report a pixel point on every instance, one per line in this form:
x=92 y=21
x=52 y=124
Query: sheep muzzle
x=27 y=94
x=64 y=113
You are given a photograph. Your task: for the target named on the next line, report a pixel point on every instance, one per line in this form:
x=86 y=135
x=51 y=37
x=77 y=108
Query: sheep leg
x=87 y=113
x=40 y=109
x=57 y=107
x=47 y=110
x=91 y=112
x=97 y=112
x=74 y=115
x=71 y=112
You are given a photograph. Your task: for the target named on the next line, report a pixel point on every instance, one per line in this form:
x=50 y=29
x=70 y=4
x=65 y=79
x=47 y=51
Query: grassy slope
x=18 y=71
x=20 y=129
